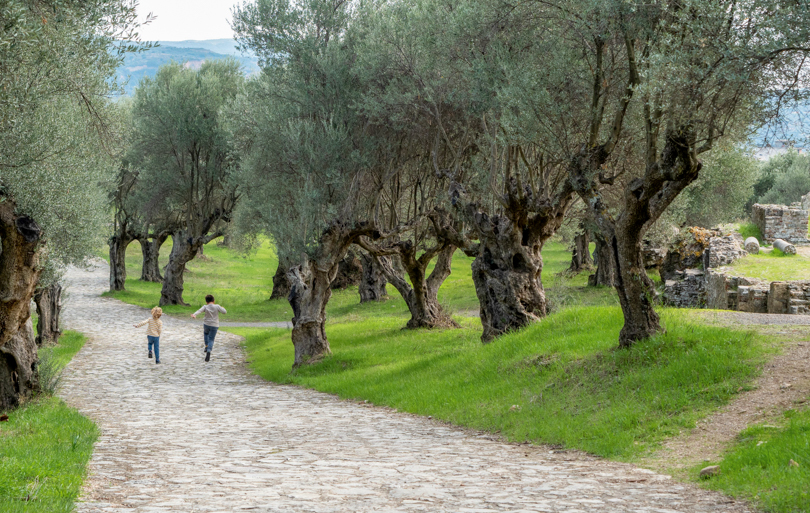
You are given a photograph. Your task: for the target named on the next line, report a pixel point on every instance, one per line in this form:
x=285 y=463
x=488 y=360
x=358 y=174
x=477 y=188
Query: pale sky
x=178 y=20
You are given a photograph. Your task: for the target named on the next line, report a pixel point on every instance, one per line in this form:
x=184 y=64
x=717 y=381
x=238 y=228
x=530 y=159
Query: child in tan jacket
x=153 y=331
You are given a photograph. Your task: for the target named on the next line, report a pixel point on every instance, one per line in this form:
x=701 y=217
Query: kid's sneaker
x=150 y=354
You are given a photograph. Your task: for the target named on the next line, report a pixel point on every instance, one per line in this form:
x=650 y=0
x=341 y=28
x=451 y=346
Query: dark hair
x=209 y=298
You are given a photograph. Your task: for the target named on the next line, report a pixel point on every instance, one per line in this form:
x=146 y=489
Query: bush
x=783 y=179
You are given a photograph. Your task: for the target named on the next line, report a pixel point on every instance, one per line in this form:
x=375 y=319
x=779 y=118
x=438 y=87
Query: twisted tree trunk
x=507 y=276
x=581 y=254
x=49 y=307
x=18 y=367
x=422 y=294
x=150 y=249
x=350 y=272
x=281 y=284
x=372 y=286
x=19 y=274
x=605 y=274
x=310 y=291
x=118 y=255
x=184 y=249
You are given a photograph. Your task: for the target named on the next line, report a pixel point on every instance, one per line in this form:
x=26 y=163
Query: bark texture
x=19 y=274
x=310 y=291
x=150 y=249
x=184 y=249
x=350 y=272
x=372 y=285
x=18 y=367
x=507 y=276
x=281 y=283
x=118 y=252
x=49 y=307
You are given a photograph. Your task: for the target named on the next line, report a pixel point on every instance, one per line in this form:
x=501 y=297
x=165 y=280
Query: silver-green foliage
x=784 y=179
x=57 y=126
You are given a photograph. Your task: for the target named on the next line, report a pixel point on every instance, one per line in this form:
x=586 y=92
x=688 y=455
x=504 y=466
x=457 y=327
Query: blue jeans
x=209 y=332
x=154 y=341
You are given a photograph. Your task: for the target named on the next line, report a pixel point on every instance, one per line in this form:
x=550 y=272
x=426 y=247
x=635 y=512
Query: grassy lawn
x=243 y=283
x=773 y=265
x=45 y=447
x=560 y=381
x=759 y=466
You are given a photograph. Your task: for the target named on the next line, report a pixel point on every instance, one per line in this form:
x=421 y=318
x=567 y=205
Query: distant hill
x=223 y=46
x=145 y=64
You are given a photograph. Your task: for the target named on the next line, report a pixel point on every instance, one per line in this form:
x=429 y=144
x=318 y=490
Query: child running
x=153 y=331
x=210 y=323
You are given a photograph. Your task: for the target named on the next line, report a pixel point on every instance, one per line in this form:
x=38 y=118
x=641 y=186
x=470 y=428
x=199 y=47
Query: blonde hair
x=157 y=312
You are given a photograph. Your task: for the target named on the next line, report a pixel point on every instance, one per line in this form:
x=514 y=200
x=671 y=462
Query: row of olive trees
x=177 y=175
x=413 y=129
x=59 y=138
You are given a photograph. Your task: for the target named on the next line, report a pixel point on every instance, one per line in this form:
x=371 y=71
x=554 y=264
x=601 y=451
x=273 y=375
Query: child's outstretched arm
x=143 y=323
x=221 y=309
x=198 y=312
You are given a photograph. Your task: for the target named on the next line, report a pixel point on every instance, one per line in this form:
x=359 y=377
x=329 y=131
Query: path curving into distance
x=186 y=436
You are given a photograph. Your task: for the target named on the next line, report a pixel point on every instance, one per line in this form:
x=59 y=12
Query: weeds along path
x=187 y=436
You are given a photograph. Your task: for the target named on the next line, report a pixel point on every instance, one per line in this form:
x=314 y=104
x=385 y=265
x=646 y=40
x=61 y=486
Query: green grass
x=751 y=230
x=773 y=266
x=560 y=381
x=758 y=467
x=243 y=283
x=45 y=447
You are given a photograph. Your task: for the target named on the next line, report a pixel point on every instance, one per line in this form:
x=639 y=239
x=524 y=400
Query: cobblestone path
x=186 y=436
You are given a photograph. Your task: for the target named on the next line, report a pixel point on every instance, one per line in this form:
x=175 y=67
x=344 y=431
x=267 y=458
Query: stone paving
x=190 y=436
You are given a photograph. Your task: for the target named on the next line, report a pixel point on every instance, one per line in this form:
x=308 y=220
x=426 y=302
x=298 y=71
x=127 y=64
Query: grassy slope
x=758 y=467
x=44 y=448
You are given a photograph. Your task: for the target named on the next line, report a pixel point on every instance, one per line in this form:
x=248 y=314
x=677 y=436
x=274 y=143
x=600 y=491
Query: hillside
x=146 y=64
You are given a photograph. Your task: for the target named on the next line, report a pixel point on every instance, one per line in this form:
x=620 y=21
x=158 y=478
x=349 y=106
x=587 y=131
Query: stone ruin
x=705 y=282
x=782 y=222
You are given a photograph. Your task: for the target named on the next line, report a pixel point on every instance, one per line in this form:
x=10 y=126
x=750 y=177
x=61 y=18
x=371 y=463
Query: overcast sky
x=178 y=20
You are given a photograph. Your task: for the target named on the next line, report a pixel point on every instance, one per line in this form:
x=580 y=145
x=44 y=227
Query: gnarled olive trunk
x=281 y=284
x=636 y=290
x=184 y=249
x=18 y=367
x=49 y=307
x=350 y=272
x=19 y=274
x=581 y=254
x=605 y=274
x=507 y=277
x=150 y=249
x=372 y=286
x=422 y=294
x=310 y=291
x=118 y=255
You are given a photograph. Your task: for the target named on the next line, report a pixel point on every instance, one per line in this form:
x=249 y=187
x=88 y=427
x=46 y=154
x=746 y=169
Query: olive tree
x=304 y=149
x=57 y=60
x=182 y=152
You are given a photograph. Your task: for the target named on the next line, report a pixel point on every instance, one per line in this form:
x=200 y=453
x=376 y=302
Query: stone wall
x=789 y=297
x=781 y=222
x=723 y=251
x=686 y=289
x=727 y=292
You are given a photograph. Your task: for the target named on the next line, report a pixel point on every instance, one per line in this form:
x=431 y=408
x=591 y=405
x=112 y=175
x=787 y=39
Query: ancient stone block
x=781 y=222
x=686 y=289
x=722 y=251
x=779 y=297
